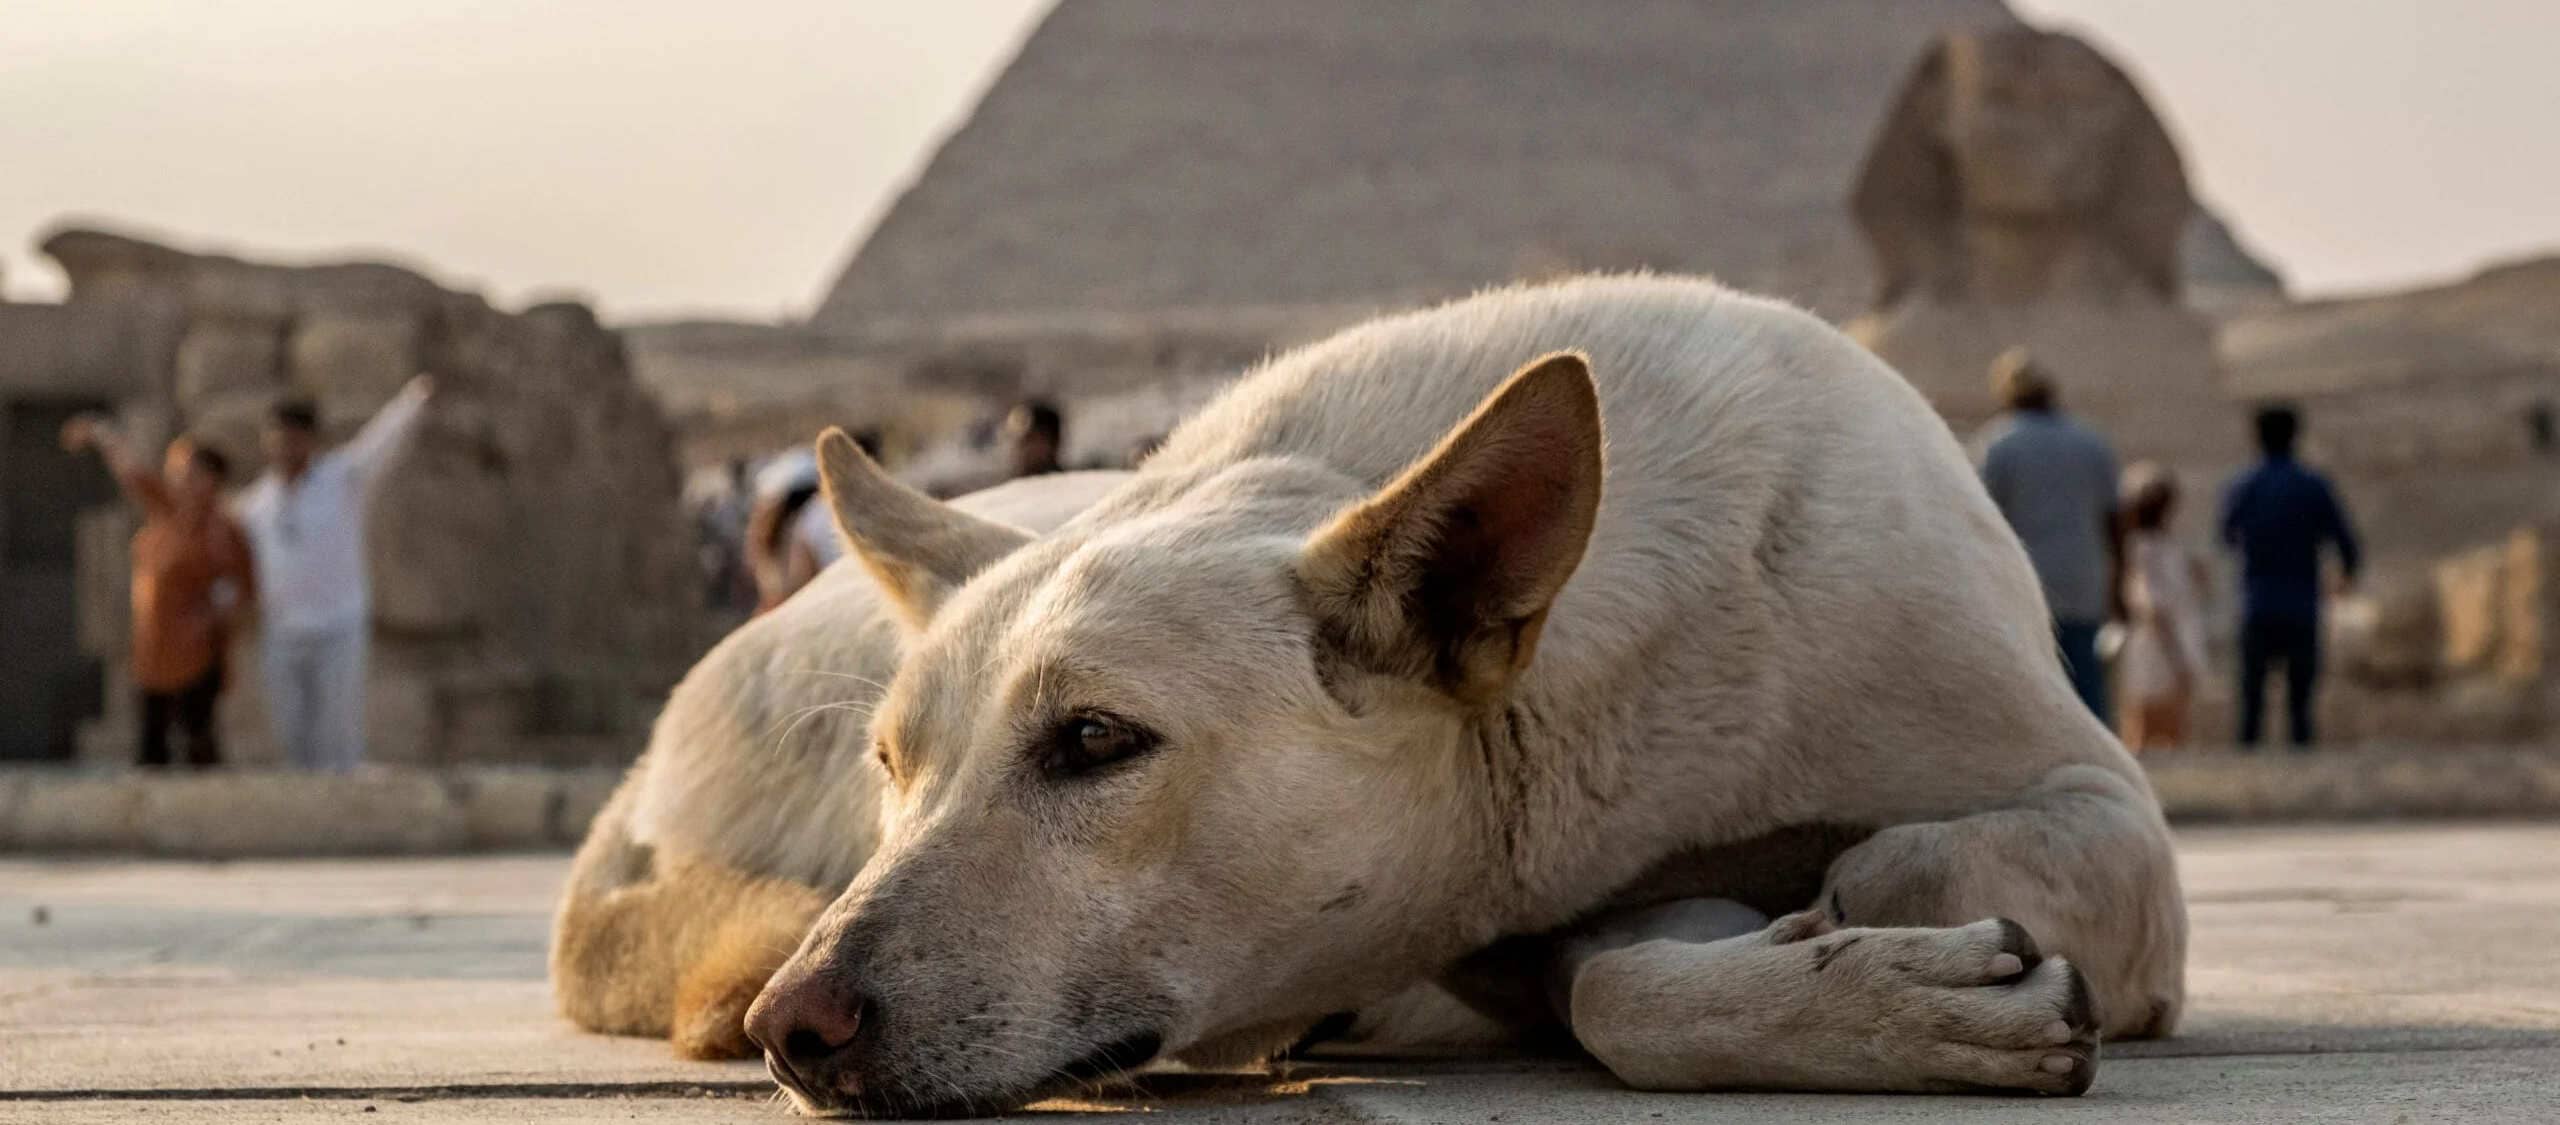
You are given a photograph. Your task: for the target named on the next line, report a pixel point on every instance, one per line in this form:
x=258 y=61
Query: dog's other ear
x=918 y=548
x=1446 y=574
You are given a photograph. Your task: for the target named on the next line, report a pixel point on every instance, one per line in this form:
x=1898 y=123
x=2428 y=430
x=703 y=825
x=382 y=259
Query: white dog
x=1390 y=669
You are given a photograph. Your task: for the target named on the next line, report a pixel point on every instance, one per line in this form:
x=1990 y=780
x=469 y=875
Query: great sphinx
x=2021 y=192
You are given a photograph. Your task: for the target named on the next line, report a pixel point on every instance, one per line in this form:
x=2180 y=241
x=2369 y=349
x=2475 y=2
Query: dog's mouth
x=1111 y=1060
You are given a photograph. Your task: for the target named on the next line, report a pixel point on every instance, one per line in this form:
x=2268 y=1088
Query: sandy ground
x=2368 y=974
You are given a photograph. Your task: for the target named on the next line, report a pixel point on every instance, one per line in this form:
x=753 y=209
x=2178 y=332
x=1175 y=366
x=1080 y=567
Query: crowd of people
x=2111 y=568
x=762 y=538
x=284 y=563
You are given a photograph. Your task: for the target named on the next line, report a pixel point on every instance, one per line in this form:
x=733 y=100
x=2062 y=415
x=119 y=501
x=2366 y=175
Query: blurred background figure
x=813 y=530
x=1035 y=434
x=720 y=539
x=306 y=522
x=2279 y=515
x=785 y=485
x=2055 y=481
x=192 y=581
x=2163 y=658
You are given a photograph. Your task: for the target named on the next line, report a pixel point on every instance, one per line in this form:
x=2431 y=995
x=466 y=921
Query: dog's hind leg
x=648 y=943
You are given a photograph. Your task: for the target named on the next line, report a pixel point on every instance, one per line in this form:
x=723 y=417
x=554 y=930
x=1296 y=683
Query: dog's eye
x=1089 y=741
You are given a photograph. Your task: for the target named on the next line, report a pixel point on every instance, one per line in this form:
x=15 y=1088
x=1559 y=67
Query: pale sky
x=664 y=157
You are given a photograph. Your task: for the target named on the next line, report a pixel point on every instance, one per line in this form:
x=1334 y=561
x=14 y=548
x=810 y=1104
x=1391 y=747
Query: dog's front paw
x=1970 y=1009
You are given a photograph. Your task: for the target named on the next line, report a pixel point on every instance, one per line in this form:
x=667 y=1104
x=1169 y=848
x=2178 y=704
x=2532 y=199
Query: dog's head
x=1183 y=780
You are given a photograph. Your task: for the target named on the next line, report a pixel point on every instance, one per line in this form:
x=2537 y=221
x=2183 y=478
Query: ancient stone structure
x=1154 y=194
x=2021 y=193
x=2435 y=408
x=532 y=585
x=1146 y=159
x=2435 y=411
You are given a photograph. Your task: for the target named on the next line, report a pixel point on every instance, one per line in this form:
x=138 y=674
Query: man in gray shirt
x=2055 y=481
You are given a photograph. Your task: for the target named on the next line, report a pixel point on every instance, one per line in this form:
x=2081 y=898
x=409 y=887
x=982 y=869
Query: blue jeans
x=2079 y=643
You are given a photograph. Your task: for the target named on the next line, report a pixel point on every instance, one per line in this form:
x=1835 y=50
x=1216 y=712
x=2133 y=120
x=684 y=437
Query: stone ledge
x=429 y=812
x=242 y=813
x=2362 y=783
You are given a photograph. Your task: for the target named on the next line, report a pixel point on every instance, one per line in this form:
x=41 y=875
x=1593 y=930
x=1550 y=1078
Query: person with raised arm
x=306 y=520
x=193 y=580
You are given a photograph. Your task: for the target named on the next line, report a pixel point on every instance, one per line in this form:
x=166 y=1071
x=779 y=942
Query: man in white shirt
x=305 y=518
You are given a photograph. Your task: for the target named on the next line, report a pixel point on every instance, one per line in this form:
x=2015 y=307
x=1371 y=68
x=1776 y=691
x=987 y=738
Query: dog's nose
x=806 y=1023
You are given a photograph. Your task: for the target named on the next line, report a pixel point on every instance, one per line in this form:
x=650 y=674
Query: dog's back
x=1750 y=595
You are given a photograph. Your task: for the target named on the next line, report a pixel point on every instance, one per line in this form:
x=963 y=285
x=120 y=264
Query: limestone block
x=2498 y=606
x=400 y=712
x=436 y=539
x=223 y=355
x=12 y=787
x=102 y=541
x=232 y=422
x=73 y=813
x=355 y=357
x=583 y=794
x=226 y=288
x=2392 y=637
x=244 y=813
x=509 y=808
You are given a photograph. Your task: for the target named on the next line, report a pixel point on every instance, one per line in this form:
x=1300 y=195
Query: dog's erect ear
x=918 y=548
x=1447 y=573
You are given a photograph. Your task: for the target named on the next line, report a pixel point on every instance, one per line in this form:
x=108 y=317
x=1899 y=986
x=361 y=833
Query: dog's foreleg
x=1801 y=1005
x=2082 y=859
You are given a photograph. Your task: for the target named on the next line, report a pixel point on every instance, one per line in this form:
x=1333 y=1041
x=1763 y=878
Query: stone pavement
x=2368 y=974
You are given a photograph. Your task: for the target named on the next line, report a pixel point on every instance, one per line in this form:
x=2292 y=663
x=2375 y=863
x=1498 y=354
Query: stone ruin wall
x=531 y=568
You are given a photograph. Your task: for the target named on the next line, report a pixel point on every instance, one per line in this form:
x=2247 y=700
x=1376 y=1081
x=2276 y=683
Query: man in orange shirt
x=192 y=580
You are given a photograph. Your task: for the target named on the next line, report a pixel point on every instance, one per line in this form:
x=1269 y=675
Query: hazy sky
x=661 y=156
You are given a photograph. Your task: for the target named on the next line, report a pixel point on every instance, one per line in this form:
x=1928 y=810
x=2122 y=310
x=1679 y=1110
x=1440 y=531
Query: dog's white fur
x=1369 y=752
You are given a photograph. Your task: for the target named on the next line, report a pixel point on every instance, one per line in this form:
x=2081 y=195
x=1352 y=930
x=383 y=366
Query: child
x=2163 y=657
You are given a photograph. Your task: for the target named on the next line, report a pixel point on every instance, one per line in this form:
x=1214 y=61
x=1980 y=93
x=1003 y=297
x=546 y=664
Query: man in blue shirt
x=2055 y=481
x=2278 y=515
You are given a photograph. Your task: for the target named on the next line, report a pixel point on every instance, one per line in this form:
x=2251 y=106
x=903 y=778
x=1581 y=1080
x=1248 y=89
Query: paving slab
x=2367 y=973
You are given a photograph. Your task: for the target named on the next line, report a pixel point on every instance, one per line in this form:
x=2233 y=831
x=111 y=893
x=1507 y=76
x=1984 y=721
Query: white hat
x=788 y=471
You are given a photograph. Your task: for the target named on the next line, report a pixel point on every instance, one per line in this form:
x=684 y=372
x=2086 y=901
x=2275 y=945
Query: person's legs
x=195 y=719
x=283 y=662
x=156 y=710
x=2301 y=678
x=2253 y=679
x=338 y=709
x=2079 y=643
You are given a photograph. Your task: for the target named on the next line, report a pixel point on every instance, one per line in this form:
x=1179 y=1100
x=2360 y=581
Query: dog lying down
x=1532 y=651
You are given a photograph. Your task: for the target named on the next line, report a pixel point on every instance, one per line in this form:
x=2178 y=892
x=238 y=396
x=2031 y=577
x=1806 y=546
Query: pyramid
x=1141 y=158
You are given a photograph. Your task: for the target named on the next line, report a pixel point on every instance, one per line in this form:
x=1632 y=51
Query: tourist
x=306 y=519
x=2163 y=657
x=2055 y=481
x=192 y=580
x=1036 y=432
x=813 y=533
x=2279 y=515
x=779 y=555
x=720 y=536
